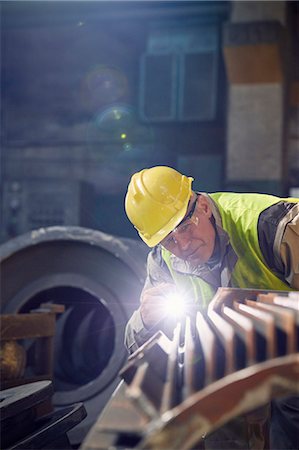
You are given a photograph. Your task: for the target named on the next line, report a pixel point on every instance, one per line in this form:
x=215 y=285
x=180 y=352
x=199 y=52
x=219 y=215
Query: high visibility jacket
x=239 y=214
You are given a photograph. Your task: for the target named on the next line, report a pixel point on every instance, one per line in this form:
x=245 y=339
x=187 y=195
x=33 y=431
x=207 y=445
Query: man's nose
x=183 y=241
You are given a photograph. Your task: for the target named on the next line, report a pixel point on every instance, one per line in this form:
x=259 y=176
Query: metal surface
x=216 y=368
x=52 y=430
x=23 y=425
x=19 y=409
x=98 y=278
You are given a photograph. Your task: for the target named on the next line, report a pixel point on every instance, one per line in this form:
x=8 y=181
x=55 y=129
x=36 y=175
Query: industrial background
x=93 y=91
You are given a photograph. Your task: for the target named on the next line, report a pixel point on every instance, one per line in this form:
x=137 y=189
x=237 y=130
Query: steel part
x=29 y=422
x=98 y=278
x=52 y=431
x=197 y=393
x=170 y=397
x=157 y=350
x=208 y=346
x=264 y=324
x=236 y=394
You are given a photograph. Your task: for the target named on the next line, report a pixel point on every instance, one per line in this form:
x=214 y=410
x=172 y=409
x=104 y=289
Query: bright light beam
x=174 y=305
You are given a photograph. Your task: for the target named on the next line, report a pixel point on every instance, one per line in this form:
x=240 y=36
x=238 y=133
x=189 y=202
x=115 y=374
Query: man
x=203 y=241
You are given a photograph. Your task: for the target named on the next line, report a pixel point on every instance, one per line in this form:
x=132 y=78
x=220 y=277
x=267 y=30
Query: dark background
x=94 y=91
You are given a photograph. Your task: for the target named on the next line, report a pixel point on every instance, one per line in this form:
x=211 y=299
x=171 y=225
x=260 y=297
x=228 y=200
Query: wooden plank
x=55 y=308
x=23 y=326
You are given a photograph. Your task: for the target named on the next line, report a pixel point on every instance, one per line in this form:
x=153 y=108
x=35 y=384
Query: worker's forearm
x=136 y=334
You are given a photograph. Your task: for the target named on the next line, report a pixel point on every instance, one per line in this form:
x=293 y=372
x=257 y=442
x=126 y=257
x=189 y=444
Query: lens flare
x=103 y=85
x=175 y=305
x=119 y=129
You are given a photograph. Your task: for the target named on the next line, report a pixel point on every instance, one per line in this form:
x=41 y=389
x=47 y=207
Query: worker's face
x=194 y=238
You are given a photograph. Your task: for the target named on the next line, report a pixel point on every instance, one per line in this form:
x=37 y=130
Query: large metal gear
x=217 y=370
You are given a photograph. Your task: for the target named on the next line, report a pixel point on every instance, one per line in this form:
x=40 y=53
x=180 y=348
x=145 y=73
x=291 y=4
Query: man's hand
x=152 y=308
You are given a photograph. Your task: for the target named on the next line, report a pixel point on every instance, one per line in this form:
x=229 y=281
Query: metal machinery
x=32 y=204
x=28 y=421
x=98 y=279
x=230 y=362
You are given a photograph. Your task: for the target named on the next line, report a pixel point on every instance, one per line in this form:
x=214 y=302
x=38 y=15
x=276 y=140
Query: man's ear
x=203 y=206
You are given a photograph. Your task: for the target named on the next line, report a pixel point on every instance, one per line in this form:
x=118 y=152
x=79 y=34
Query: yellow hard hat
x=156 y=202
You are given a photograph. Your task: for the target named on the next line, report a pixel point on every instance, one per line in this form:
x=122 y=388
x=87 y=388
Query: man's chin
x=197 y=259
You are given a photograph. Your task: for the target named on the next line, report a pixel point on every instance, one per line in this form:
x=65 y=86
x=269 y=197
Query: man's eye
x=185 y=227
x=169 y=241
